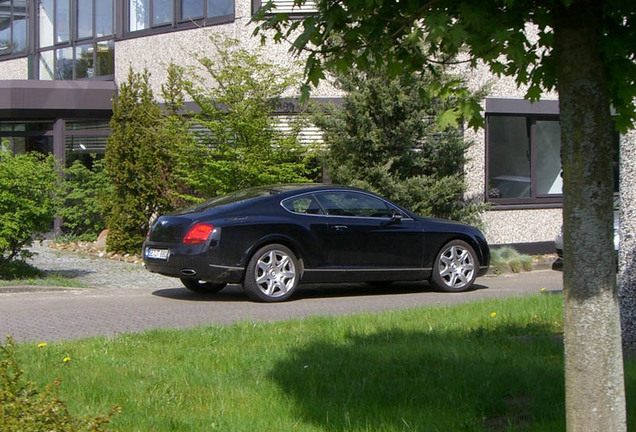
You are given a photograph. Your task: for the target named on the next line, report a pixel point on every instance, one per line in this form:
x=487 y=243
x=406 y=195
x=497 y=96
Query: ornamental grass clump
x=24 y=408
x=507 y=257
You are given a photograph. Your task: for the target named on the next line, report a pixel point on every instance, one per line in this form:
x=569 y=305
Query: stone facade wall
x=15 y=69
x=522 y=226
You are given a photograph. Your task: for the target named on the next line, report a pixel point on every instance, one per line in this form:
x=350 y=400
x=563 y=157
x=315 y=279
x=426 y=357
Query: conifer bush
x=84 y=191
x=386 y=137
x=140 y=158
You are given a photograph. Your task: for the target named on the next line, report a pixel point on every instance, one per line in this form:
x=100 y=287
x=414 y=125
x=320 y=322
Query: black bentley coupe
x=270 y=239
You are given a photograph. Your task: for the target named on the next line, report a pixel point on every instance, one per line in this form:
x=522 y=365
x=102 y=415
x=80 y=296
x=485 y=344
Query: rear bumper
x=191 y=263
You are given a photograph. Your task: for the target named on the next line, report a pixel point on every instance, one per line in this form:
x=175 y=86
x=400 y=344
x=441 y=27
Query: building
x=60 y=61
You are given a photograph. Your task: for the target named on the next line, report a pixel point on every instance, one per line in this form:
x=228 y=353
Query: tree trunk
x=594 y=383
x=627 y=253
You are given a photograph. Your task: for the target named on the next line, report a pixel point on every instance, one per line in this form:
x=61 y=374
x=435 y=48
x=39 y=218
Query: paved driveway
x=126 y=298
x=73 y=314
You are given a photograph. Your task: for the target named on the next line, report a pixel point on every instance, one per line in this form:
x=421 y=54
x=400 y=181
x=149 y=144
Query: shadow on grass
x=482 y=380
x=21 y=272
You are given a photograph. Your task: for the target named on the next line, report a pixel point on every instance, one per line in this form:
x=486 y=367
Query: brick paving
x=124 y=298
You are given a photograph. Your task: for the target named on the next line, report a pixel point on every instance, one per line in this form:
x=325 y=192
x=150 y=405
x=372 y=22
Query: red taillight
x=199 y=233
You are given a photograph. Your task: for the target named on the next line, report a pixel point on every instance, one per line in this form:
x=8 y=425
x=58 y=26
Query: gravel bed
x=94 y=271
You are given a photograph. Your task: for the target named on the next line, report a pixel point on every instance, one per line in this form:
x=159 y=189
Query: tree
x=240 y=143
x=140 y=158
x=384 y=138
x=584 y=49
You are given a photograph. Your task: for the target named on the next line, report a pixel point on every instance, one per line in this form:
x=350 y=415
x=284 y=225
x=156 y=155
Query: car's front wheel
x=202 y=287
x=272 y=274
x=455 y=268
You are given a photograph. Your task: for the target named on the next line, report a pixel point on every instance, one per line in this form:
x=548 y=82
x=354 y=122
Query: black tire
x=202 y=287
x=272 y=274
x=455 y=268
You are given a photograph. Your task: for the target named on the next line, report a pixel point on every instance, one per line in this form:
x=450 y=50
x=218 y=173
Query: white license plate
x=158 y=254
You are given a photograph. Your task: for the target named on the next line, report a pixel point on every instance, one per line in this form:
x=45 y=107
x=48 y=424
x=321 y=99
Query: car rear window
x=232 y=198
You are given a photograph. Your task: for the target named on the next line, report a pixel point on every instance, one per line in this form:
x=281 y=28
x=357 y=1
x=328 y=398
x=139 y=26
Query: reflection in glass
x=46 y=23
x=220 y=7
x=105 y=58
x=5 y=27
x=86 y=125
x=19 y=34
x=139 y=14
x=15 y=145
x=548 y=150
x=46 y=65
x=103 y=18
x=161 y=12
x=84 y=61
x=84 y=19
x=508 y=157
x=62 y=22
x=64 y=64
x=191 y=9
x=84 y=149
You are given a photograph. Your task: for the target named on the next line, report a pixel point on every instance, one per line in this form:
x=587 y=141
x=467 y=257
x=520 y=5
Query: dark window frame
x=532 y=112
x=177 y=23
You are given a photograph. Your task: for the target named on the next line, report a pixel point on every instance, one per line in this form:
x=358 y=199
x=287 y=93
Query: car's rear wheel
x=272 y=274
x=202 y=287
x=455 y=268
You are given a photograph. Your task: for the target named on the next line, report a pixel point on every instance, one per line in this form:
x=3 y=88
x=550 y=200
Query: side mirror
x=397 y=217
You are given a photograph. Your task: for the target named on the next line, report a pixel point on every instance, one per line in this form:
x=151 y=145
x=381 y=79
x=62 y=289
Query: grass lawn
x=495 y=365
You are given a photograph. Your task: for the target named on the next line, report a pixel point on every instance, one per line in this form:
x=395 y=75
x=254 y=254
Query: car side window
x=305 y=204
x=354 y=204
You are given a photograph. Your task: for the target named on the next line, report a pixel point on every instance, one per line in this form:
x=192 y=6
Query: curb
x=35 y=288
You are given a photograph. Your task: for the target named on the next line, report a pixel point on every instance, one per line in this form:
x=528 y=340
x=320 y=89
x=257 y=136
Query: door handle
x=340 y=227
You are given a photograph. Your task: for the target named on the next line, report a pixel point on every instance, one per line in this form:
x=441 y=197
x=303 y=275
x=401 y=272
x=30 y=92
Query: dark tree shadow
x=477 y=380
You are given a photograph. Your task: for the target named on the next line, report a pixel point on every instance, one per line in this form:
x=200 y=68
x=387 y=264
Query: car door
x=366 y=232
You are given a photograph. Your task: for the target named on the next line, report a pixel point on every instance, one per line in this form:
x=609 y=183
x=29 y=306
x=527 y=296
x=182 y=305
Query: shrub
x=28 y=185
x=23 y=408
x=83 y=192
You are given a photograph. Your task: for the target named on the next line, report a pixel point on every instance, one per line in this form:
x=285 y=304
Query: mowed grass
x=495 y=365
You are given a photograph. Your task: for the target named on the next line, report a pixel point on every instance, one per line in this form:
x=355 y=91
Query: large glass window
x=103 y=18
x=191 y=9
x=162 y=12
x=524 y=159
x=13 y=27
x=148 y=14
x=62 y=21
x=75 y=39
x=84 y=19
x=26 y=136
